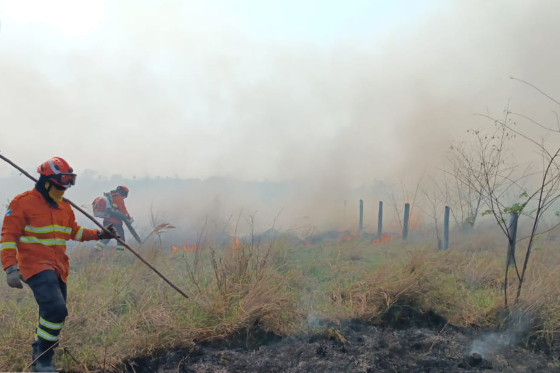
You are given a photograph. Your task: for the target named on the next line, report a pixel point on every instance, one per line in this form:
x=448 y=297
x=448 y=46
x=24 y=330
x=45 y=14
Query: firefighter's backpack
x=102 y=206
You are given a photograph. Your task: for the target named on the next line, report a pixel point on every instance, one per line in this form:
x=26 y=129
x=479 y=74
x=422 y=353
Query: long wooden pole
x=104 y=229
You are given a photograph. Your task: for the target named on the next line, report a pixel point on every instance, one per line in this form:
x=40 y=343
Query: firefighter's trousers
x=50 y=293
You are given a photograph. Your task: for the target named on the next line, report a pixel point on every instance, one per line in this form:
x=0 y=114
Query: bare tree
x=507 y=188
x=465 y=195
x=437 y=196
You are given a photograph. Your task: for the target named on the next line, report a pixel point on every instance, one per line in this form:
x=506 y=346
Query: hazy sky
x=323 y=91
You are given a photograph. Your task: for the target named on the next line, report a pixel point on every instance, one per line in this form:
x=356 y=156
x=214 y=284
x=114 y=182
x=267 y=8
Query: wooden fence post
x=380 y=221
x=406 y=219
x=361 y=228
x=446 y=229
x=512 y=237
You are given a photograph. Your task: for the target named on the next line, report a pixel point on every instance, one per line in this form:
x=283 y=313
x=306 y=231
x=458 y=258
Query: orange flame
x=234 y=244
x=384 y=238
x=188 y=249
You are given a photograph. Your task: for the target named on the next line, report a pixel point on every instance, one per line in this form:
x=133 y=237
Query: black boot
x=36 y=353
x=44 y=367
x=43 y=352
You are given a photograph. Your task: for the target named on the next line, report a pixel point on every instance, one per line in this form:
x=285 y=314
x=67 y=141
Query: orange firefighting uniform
x=34 y=235
x=118 y=205
x=116 y=220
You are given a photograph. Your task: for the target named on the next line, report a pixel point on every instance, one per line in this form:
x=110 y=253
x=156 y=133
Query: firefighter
x=117 y=215
x=33 y=250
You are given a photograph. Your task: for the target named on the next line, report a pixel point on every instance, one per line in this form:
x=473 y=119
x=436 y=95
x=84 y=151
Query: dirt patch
x=411 y=344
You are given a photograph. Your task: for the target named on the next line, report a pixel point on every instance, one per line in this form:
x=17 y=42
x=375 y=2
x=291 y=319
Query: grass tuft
x=119 y=309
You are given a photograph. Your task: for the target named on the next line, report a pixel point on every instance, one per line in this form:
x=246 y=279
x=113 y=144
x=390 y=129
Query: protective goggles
x=64 y=180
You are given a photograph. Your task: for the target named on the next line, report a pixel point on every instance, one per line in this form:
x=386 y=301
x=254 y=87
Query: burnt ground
x=415 y=343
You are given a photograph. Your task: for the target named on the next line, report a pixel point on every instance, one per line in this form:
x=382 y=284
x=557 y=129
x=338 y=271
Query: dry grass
x=462 y=287
x=120 y=309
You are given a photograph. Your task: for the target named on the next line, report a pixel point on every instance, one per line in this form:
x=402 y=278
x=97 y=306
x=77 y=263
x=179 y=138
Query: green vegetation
x=119 y=309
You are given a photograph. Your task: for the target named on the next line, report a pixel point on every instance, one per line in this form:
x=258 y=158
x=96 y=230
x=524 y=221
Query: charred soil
x=404 y=342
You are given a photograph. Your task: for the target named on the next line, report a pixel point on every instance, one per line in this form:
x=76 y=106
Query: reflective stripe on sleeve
x=46 y=242
x=48 y=229
x=79 y=234
x=7 y=245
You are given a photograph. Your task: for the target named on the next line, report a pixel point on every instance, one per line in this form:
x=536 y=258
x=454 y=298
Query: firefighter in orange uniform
x=117 y=214
x=33 y=250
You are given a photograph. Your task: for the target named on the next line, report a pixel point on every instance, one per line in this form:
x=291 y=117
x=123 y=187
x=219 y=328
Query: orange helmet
x=122 y=190
x=58 y=171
